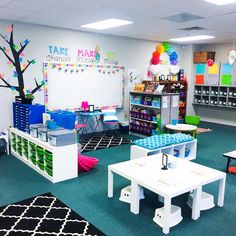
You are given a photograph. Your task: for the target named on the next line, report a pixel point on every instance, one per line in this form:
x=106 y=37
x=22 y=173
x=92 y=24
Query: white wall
x=130 y=53
x=225 y=116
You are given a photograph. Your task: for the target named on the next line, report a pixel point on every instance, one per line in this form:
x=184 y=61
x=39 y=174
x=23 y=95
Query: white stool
x=175 y=216
x=125 y=194
x=207 y=201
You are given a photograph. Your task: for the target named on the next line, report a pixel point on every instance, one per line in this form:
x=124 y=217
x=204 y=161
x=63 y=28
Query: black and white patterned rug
x=101 y=142
x=43 y=215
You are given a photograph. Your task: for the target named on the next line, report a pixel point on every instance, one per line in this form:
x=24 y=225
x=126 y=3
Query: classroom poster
x=200 y=73
x=226 y=77
x=212 y=75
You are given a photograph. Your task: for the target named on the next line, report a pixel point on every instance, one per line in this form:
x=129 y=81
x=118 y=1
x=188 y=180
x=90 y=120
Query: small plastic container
x=65 y=119
x=34 y=129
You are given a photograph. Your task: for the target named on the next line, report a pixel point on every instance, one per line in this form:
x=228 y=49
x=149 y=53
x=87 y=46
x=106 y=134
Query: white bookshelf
x=64 y=158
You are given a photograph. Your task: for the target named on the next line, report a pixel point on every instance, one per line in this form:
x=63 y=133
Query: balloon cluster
x=164 y=48
x=156 y=59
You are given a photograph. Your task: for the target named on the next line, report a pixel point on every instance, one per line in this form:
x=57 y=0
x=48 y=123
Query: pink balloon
x=210 y=62
x=155 y=60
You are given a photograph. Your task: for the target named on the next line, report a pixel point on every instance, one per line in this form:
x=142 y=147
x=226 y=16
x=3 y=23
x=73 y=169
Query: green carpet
x=87 y=194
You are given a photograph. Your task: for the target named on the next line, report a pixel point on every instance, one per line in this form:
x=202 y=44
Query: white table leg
x=221 y=193
x=166 y=219
x=134 y=206
x=110 y=183
x=196 y=203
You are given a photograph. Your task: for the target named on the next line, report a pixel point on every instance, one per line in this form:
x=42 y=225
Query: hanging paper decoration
x=4 y=49
x=9 y=29
x=15 y=74
x=26 y=41
x=20 y=59
x=7 y=50
x=232 y=57
x=210 y=62
x=15 y=46
x=97 y=54
x=21 y=54
x=33 y=61
x=2 y=75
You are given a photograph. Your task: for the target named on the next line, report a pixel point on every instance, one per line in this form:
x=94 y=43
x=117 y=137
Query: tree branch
x=22 y=47
x=5 y=39
x=38 y=86
x=8 y=85
x=7 y=56
x=29 y=62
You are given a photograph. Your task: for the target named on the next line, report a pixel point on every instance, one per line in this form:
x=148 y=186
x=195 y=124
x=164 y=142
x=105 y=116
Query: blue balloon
x=173 y=56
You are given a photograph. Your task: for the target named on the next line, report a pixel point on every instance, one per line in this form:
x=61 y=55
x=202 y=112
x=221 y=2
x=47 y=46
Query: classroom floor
x=87 y=194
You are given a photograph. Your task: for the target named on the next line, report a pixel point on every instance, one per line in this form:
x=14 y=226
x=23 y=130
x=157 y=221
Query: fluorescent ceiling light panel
x=221 y=2
x=107 y=24
x=192 y=38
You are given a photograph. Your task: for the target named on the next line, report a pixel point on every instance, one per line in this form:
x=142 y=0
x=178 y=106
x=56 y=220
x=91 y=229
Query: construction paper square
x=200 y=69
x=212 y=79
x=226 y=80
x=213 y=69
x=200 y=79
x=226 y=69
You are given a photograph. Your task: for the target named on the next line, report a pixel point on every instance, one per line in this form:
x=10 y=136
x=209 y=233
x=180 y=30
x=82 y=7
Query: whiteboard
x=67 y=85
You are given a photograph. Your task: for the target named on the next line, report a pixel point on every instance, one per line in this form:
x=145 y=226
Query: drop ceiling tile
x=13 y=14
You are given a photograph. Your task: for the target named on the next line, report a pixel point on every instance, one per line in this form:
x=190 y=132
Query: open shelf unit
x=186 y=150
x=180 y=87
x=218 y=96
x=54 y=163
x=150 y=112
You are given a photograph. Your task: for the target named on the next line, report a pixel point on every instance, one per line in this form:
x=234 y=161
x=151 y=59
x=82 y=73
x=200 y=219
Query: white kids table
x=185 y=177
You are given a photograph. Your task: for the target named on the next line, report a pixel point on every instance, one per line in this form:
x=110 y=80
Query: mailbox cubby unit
x=54 y=163
x=219 y=96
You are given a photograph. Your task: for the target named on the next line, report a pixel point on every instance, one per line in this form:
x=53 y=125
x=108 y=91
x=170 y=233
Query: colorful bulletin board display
x=67 y=85
x=212 y=75
x=200 y=73
x=226 y=74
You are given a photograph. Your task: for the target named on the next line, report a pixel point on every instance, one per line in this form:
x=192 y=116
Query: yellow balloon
x=160 y=48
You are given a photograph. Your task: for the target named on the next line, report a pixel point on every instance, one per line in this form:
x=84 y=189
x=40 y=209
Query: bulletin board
x=67 y=85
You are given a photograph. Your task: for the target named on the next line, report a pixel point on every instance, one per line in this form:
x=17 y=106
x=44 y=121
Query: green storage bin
x=32 y=145
x=48 y=156
x=49 y=170
x=14 y=147
x=33 y=159
x=40 y=165
x=48 y=163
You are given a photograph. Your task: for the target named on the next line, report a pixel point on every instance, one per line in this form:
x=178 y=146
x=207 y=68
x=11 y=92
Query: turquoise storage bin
x=65 y=119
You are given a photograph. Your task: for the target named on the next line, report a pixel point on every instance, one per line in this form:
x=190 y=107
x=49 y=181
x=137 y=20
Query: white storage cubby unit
x=54 y=163
x=186 y=150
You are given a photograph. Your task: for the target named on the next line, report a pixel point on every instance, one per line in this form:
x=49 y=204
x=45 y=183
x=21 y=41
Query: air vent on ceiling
x=183 y=17
x=193 y=28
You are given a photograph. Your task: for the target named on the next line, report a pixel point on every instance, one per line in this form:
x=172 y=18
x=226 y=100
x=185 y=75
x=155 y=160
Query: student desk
x=230 y=156
x=92 y=121
x=185 y=177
